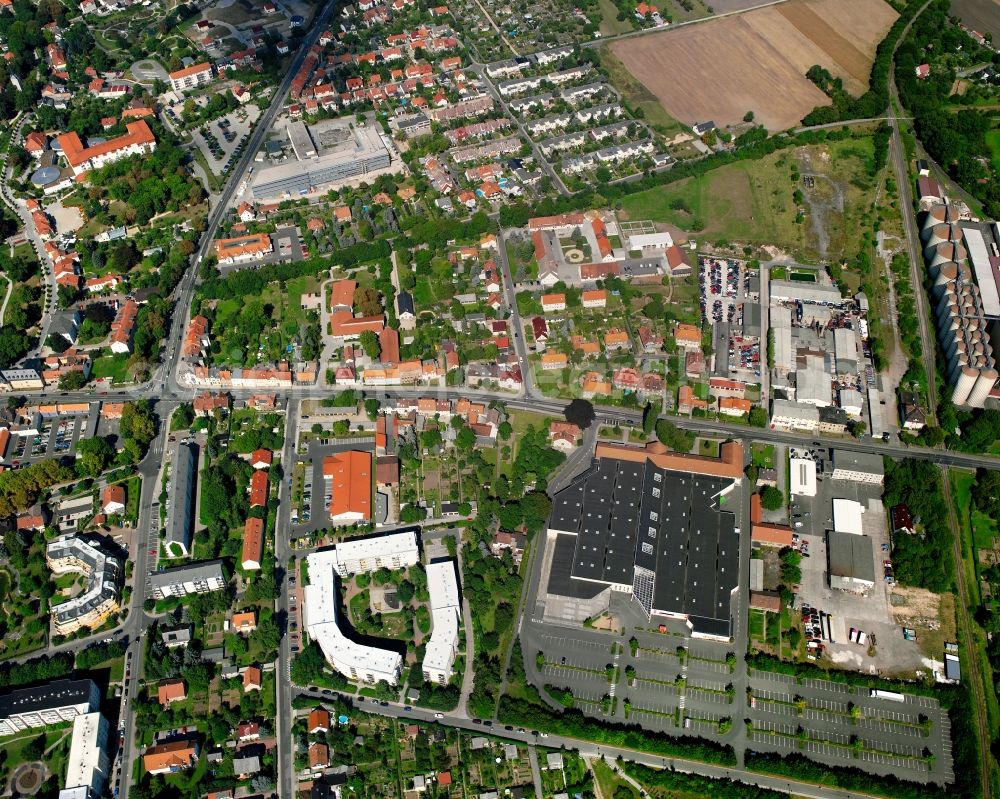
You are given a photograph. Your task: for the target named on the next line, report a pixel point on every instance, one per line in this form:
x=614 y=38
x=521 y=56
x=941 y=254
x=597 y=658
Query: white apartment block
x=191 y=77
x=89 y=763
x=439 y=656
x=394 y=551
x=355 y=661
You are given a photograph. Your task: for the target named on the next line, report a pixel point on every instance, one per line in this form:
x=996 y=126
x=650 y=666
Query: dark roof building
x=180 y=520
x=651 y=523
x=852 y=562
x=42 y=705
x=404 y=303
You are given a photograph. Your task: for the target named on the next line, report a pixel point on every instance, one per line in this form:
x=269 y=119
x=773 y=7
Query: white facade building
x=394 y=551
x=355 y=661
x=847 y=516
x=439 y=657
x=802 y=477
x=858 y=467
x=88 y=765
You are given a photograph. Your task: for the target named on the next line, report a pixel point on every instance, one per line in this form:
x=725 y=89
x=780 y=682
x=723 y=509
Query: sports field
x=757 y=61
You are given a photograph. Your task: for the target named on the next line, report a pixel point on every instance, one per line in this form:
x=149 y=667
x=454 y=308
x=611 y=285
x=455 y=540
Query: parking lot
x=686 y=691
x=843 y=725
x=222 y=138
x=56 y=438
x=724 y=288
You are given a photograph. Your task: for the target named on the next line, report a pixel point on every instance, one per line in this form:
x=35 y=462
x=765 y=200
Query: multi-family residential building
x=354 y=660
x=439 y=656
x=191 y=77
x=139 y=140
x=102 y=573
x=195 y=578
x=89 y=762
x=42 y=705
x=180 y=519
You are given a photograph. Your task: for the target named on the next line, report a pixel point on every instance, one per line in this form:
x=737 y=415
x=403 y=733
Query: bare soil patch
x=757 y=61
x=980 y=15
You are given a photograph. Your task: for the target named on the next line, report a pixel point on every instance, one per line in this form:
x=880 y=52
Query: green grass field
x=993 y=141
x=608 y=781
x=751 y=201
x=110 y=365
x=762 y=455
x=610 y=24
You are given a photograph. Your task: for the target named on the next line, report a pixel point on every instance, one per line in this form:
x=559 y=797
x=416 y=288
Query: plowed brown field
x=757 y=61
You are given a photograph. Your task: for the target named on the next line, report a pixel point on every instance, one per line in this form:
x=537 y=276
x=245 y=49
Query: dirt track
x=757 y=61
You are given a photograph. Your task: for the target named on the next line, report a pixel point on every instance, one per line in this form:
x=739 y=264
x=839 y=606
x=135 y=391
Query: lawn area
x=608 y=781
x=113 y=366
x=636 y=95
x=287 y=304
x=519 y=421
x=610 y=24
x=756 y=629
x=993 y=142
x=751 y=201
x=762 y=455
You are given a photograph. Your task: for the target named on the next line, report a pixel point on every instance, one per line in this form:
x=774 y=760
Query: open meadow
x=753 y=202
x=757 y=61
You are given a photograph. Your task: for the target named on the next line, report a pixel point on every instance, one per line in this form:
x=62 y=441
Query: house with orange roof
x=252 y=679
x=595 y=298
x=244 y=621
x=687 y=400
x=258 y=489
x=554 y=360
x=342 y=213
x=688 y=337
x=113 y=499
x=171 y=691
x=261 y=458
x=253 y=544
x=319 y=721
x=241 y=249
x=344 y=325
x=123 y=327
x=592 y=385
x=563 y=436
x=349 y=475
x=589 y=349
x=171 y=757
x=553 y=302
x=319 y=756
x=388 y=339
x=196 y=340
x=616 y=339
x=733 y=406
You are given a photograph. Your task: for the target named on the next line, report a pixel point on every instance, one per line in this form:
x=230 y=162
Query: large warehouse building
x=651 y=523
x=323 y=158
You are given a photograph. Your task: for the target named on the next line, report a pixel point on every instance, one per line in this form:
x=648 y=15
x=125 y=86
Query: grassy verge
x=961 y=486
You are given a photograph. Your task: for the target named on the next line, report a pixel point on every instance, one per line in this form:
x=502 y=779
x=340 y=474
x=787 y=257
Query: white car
x=439 y=715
